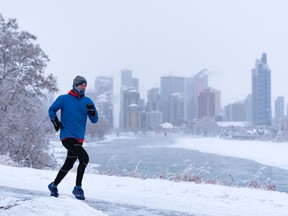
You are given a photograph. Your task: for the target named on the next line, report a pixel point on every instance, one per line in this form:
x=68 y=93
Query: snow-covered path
x=109 y=208
x=110 y=195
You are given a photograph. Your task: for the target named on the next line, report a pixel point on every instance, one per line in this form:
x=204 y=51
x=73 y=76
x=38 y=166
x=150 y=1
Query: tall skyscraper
x=208 y=103
x=103 y=84
x=104 y=98
x=261 y=93
x=130 y=117
x=130 y=108
x=189 y=100
x=170 y=85
x=236 y=111
x=126 y=78
x=199 y=83
x=248 y=102
x=279 y=109
x=176 y=109
x=154 y=119
x=153 y=99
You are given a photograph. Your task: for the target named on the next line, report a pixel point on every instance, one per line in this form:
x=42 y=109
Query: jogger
x=75 y=108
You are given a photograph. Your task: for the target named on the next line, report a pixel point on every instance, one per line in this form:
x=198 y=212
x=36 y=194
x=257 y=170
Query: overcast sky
x=155 y=38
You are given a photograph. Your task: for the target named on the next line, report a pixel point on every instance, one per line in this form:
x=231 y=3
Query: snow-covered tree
x=23 y=128
x=207 y=126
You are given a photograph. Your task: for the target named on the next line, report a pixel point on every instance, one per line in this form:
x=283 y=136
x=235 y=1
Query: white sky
x=155 y=38
x=26 y=189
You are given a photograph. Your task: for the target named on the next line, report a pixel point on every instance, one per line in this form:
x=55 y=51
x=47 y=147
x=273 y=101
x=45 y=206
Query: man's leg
x=83 y=161
x=68 y=164
x=69 y=161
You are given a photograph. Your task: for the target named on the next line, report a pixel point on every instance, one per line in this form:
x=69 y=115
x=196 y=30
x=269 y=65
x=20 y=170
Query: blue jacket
x=73 y=115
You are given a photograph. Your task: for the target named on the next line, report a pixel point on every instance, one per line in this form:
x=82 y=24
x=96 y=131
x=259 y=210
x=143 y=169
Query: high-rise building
x=103 y=84
x=236 y=111
x=261 y=93
x=130 y=118
x=126 y=78
x=130 y=103
x=135 y=84
x=176 y=110
x=248 y=102
x=153 y=99
x=128 y=81
x=188 y=103
x=104 y=98
x=199 y=83
x=169 y=86
x=154 y=119
x=208 y=103
x=279 y=109
x=91 y=93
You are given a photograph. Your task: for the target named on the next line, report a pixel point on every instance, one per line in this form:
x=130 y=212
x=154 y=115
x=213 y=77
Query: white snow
x=23 y=191
x=268 y=153
x=167 y=125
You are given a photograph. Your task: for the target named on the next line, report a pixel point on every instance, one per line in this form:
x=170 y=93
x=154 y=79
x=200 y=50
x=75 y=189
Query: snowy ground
x=23 y=191
x=268 y=153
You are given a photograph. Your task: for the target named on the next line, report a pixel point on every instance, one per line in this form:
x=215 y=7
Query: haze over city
x=159 y=38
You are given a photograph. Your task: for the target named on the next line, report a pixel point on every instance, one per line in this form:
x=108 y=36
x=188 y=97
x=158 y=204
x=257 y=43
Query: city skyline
x=159 y=38
x=147 y=88
x=182 y=100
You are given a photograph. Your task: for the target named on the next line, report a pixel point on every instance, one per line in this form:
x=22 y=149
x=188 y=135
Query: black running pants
x=75 y=151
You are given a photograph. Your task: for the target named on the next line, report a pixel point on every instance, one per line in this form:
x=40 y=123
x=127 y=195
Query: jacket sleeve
x=93 y=119
x=55 y=107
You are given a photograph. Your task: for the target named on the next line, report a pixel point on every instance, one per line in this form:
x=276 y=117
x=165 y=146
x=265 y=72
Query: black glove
x=56 y=123
x=91 y=109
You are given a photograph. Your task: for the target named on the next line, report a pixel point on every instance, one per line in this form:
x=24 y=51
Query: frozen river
x=144 y=155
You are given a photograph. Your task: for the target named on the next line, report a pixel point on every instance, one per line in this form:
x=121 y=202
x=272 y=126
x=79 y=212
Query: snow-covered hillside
x=23 y=191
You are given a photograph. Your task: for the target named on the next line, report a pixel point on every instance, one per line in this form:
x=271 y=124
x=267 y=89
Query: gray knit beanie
x=79 y=80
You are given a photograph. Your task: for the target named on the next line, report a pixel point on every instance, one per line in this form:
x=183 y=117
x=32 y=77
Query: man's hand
x=91 y=109
x=56 y=123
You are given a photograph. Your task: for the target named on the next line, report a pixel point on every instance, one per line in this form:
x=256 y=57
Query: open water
x=144 y=156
